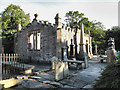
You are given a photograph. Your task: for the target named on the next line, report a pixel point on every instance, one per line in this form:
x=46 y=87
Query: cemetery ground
x=44 y=77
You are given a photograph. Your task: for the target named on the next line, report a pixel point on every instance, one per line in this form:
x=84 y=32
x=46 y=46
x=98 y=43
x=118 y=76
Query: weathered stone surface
x=67 y=86
x=59 y=71
x=47 y=76
x=73 y=82
x=110 y=55
x=56 y=84
x=88 y=86
x=111 y=51
x=66 y=70
x=34 y=84
x=54 y=62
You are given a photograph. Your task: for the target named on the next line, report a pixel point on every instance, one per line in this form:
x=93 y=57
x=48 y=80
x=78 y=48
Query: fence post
x=12 y=63
x=16 y=63
x=19 y=62
x=1 y=67
x=9 y=61
x=6 y=64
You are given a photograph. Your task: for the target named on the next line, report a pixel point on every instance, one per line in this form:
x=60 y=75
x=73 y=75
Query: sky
x=105 y=11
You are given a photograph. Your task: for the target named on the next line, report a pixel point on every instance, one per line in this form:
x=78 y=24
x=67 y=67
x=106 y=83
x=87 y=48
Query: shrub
x=110 y=77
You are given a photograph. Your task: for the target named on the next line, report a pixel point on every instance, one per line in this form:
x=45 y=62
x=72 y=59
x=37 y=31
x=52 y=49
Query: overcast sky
x=105 y=11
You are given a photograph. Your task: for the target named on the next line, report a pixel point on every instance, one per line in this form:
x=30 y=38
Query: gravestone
x=61 y=70
x=61 y=66
x=111 y=50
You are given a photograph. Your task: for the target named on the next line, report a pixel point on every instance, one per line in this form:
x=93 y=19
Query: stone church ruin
x=41 y=40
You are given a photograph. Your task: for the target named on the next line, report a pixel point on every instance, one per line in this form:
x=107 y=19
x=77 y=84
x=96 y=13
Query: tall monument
x=82 y=53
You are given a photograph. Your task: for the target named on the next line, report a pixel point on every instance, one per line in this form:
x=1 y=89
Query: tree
x=114 y=33
x=11 y=17
x=98 y=36
x=74 y=18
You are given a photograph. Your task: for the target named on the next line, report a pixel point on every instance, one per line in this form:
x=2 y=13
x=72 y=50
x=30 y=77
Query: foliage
x=10 y=18
x=74 y=19
x=98 y=36
x=110 y=77
x=114 y=33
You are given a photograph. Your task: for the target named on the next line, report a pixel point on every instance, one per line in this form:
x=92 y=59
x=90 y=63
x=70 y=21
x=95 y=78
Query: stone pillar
x=95 y=49
x=71 y=49
x=82 y=52
x=67 y=48
x=89 y=44
x=91 y=53
x=111 y=50
x=76 y=42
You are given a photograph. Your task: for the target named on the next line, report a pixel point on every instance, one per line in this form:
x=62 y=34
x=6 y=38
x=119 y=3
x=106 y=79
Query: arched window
x=34 y=40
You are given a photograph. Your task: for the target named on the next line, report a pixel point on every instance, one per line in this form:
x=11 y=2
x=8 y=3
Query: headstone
x=61 y=70
x=111 y=51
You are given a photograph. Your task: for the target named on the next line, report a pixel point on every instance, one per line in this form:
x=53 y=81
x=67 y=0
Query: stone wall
x=52 y=39
x=47 y=41
x=65 y=34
